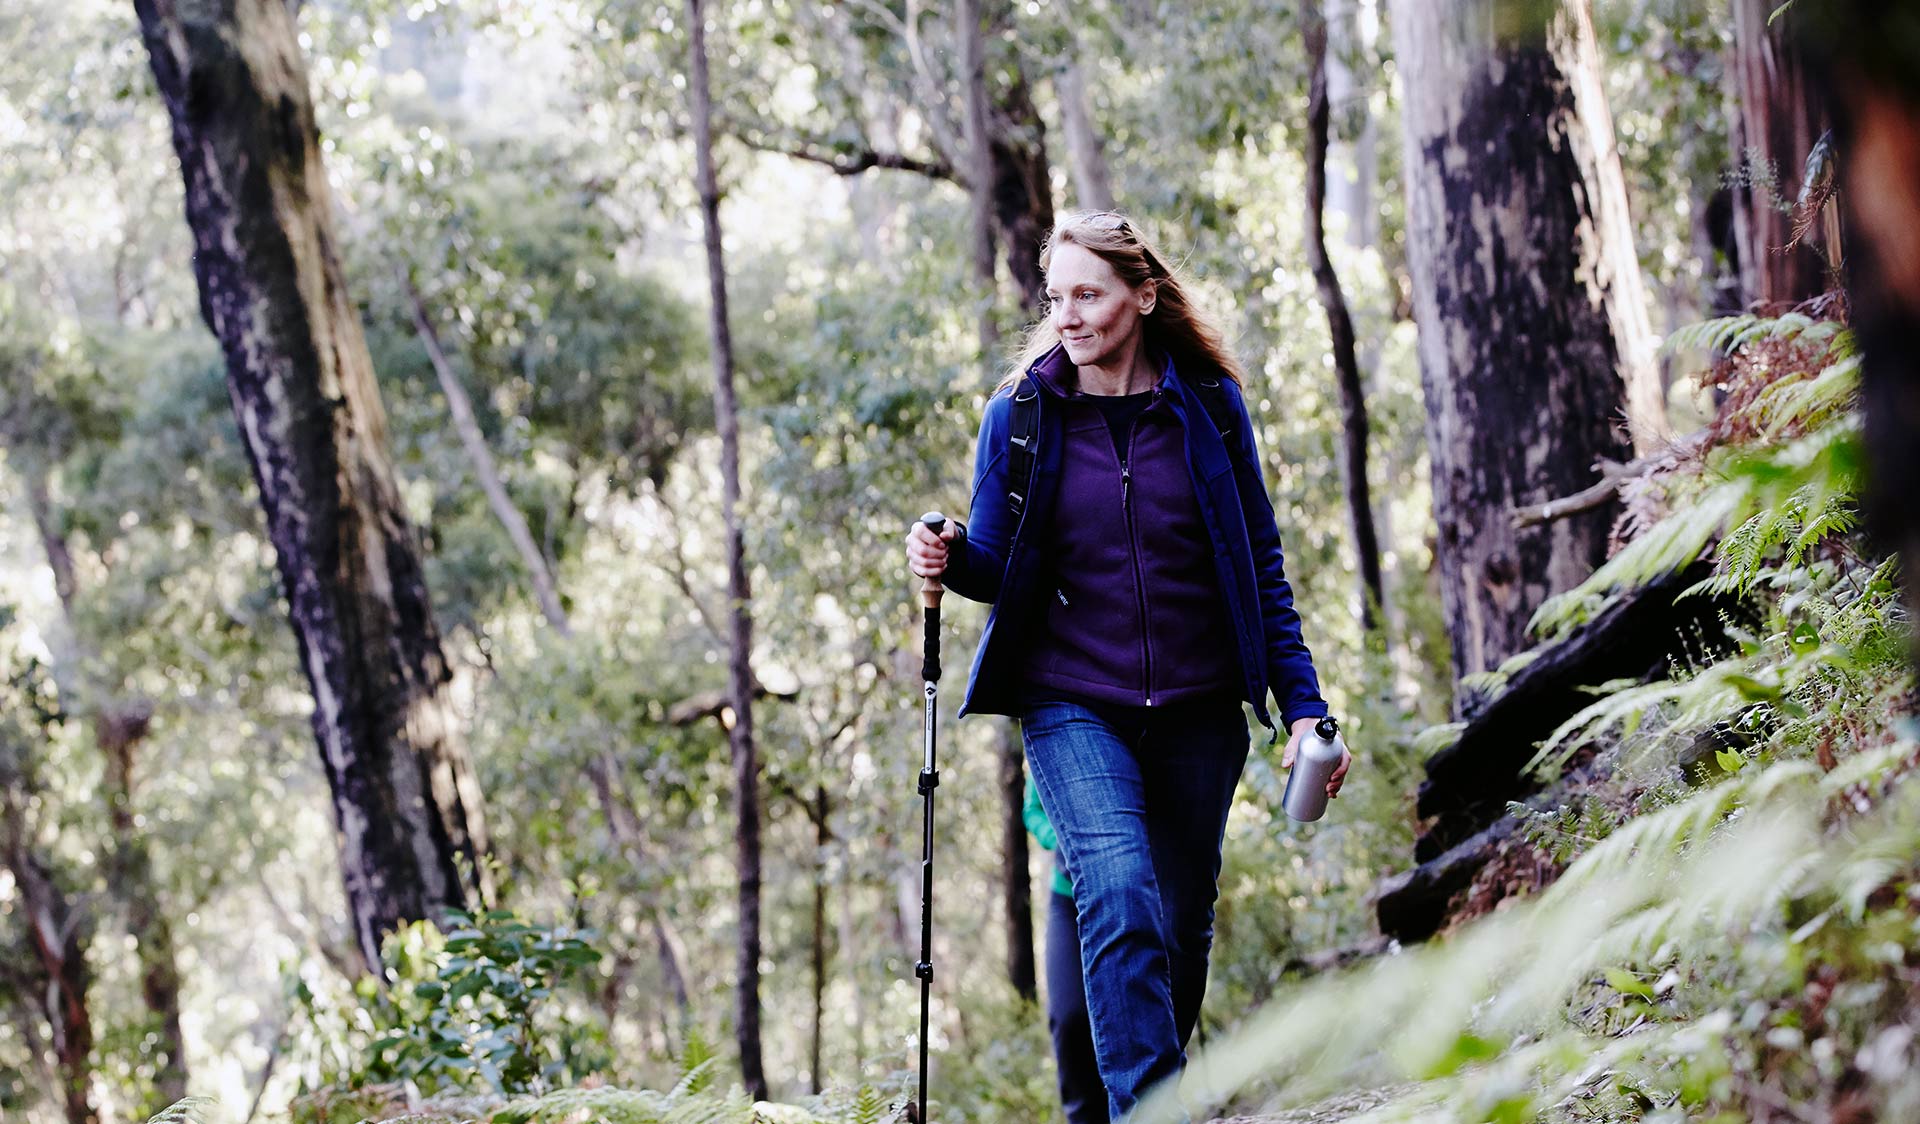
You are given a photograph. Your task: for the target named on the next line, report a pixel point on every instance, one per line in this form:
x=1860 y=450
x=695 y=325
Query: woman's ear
x=1149 y=295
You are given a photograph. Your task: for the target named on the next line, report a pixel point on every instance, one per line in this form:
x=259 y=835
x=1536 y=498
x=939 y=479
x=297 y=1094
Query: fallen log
x=1412 y=905
x=1640 y=635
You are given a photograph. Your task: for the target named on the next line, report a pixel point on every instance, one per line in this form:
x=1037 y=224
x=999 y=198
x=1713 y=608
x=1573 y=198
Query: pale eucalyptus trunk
x=411 y=828
x=1086 y=149
x=1518 y=358
x=460 y=408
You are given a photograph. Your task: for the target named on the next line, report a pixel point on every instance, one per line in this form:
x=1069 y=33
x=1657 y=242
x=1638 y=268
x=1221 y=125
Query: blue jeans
x=1139 y=801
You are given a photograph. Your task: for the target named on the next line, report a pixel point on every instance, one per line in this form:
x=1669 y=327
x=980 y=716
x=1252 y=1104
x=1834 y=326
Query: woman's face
x=1096 y=312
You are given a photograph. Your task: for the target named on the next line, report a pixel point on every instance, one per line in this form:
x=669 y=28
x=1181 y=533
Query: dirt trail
x=1330 y=1111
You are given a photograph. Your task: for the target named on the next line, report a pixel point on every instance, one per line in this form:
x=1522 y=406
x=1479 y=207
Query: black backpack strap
x=1213 y=396
x=1022 y=433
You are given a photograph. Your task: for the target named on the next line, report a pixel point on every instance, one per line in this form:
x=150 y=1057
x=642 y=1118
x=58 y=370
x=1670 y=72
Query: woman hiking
x=1121 y=530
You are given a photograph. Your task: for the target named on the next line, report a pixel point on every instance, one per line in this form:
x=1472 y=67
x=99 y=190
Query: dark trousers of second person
x=1139 y=801
x=1081 y=1094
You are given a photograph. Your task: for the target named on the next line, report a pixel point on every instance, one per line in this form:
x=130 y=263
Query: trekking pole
x=930 y=591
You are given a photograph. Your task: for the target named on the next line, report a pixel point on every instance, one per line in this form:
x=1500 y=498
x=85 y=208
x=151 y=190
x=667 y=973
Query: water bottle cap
x=1327 y=728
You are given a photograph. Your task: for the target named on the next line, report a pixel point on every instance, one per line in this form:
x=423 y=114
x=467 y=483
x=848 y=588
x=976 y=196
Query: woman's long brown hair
x=1175 y=327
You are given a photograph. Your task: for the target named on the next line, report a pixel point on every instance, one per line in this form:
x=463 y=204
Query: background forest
x=573 y=379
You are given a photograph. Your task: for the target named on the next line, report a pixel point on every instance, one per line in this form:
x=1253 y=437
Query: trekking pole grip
x=930 y=592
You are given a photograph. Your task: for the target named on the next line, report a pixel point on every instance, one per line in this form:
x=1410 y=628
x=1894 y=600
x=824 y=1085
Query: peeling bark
x=1518 y=359
x=406 y=804
x=58 y=929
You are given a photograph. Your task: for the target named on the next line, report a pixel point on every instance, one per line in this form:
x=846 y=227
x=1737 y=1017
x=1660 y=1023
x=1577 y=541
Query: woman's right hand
x=927 y=552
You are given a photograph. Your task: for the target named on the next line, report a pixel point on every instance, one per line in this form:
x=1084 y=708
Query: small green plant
x=464 y=1004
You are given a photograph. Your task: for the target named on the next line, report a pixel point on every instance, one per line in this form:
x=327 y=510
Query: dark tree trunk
x=726 y=412
x=998 y=169
x=1022 y=187
x=119 y=732
x=58 y=929
x=1868 y=68
x=1518 y=360
x=820 y=838
x=982 y=169
x=406 y=804
x=1016 y=879
x=1777 y=115
x=119 y=729
x=1346 y=364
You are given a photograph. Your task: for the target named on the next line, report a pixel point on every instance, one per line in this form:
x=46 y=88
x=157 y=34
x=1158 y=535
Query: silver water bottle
x=1319 y=754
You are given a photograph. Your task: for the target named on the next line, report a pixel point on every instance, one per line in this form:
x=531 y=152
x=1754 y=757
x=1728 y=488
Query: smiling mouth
x=1078 y=339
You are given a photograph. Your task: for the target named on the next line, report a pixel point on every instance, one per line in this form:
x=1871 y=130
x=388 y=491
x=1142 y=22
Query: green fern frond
x=868 y=1106
x=1836 y=517
x=1807 y=403
x=1668 y=546
x=187 y=1110
x=1710 y=335
x=587 y=1106
x=696 y=1078
x=1433 y=739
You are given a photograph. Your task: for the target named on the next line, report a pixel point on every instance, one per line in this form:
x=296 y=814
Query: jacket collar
x=1055 y=374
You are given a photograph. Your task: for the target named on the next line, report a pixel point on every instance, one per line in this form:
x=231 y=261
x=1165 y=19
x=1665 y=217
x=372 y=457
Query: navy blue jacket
x=997 y=560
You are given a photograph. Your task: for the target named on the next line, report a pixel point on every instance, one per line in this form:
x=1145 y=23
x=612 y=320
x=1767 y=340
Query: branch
x=1612 y=475
x=858 y=161
x=709 y=704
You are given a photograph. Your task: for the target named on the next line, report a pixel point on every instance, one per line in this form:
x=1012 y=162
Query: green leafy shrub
x=464 y=1008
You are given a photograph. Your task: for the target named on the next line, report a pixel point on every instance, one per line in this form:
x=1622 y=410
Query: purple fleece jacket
x=1134 y=613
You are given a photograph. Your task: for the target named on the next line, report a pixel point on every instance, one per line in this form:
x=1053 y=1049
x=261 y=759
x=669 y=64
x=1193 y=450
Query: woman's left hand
x=1300 y=729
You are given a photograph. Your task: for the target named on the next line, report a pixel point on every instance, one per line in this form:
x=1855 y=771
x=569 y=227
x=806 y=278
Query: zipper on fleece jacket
x=1133 y=556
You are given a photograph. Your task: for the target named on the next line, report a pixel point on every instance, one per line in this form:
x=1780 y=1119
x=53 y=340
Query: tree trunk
x=406 y=804
x=1352 y=29
x=1866 y=67
x=119 y=727
x=1016 y=877
x=1518 y=360
x=1346 y=365
x=1022 y=188
x=1022 y=181
x=1617 y=261
x=119 y=732
x=820 y=838
x=981 y=171
x=996 y=166
x=460 y=407
x=1086 y=151
x=726 y=412
x=1777 y=114
x=59 y=930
